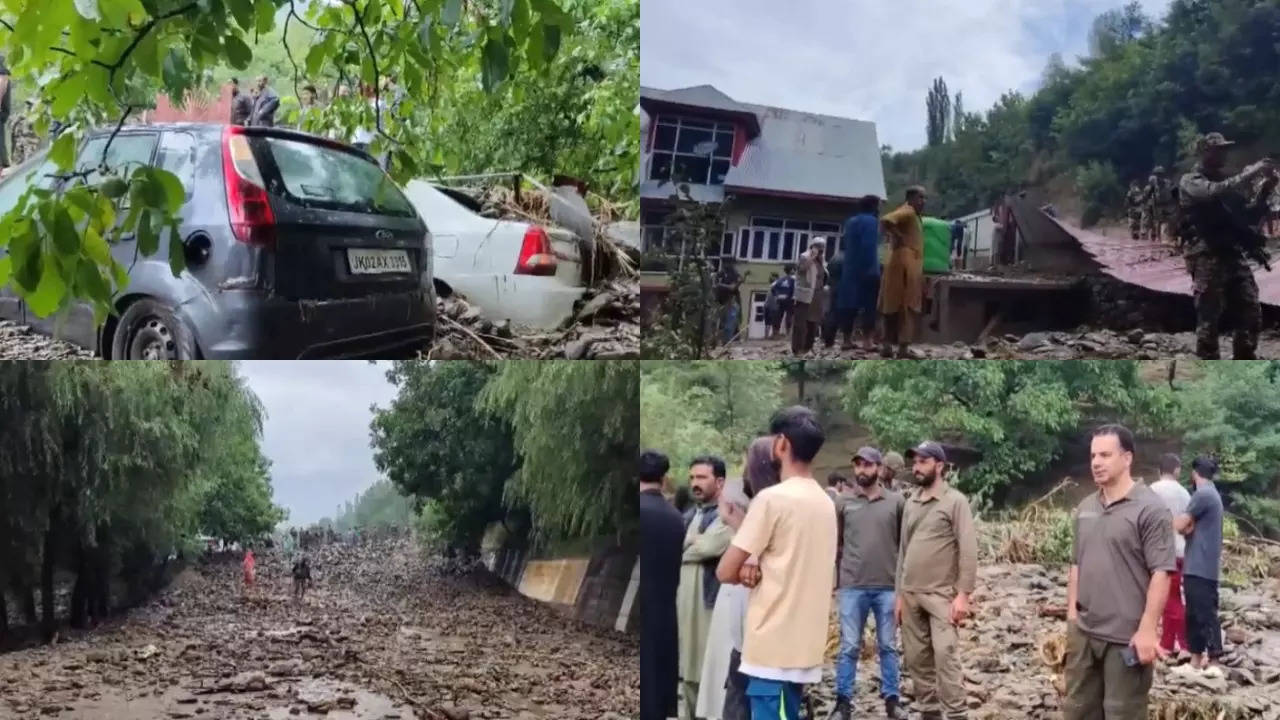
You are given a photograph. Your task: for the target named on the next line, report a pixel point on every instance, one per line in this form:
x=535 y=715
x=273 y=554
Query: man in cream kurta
x=705 y=540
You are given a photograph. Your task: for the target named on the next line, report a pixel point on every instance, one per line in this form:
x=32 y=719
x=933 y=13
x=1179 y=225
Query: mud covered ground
x=1012 y=656
x=1082 y=343
x=383 y=634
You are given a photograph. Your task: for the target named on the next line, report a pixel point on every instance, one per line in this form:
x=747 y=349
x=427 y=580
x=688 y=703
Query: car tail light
x=536 y=257
x=252 y=221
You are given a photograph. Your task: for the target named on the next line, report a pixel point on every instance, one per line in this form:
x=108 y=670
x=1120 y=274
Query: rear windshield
x=324 y=177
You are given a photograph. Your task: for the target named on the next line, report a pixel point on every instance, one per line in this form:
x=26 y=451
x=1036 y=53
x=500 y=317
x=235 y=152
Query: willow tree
x=576 y=428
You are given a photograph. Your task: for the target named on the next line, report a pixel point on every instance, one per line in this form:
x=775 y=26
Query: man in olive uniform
x=1221 y=278
x=1133 y=203
x=1159 y=212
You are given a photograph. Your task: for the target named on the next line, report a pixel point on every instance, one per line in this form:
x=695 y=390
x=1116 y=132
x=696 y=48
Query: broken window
x=687 y=150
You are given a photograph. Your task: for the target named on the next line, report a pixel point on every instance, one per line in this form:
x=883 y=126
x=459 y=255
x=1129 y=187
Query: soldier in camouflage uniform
x=1159 y=211
x=25 y=141
x=1221 y=279
x=1133 y=203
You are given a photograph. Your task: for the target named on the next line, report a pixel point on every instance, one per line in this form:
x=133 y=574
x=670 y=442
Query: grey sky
x=317 y=429
x=864 y=59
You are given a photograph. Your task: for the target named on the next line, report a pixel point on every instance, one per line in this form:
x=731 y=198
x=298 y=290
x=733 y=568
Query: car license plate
x=376 y=262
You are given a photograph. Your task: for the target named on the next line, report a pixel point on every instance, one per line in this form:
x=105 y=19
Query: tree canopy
x=546 y=448
x=1137 y=101
x=381 y=505
x=107 y=468
x=527 y=85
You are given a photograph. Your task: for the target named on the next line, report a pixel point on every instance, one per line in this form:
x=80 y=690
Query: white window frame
x=678 y=122
x=743 y=247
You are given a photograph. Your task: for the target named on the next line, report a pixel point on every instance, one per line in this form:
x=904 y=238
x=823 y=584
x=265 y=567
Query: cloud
x=865 y=59
x=317 y=430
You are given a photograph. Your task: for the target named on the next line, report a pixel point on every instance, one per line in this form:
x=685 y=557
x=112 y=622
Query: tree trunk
x=80 y=592
x=4 y=616
x=28 y=597
x=46 y=585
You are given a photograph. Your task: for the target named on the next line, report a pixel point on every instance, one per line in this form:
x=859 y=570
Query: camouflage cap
x=1213 y=139
x=893 y=460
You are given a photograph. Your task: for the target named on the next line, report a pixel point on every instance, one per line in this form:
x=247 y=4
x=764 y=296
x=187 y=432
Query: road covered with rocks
x=1013 y=645
x=383 y=634
x=1083 y=343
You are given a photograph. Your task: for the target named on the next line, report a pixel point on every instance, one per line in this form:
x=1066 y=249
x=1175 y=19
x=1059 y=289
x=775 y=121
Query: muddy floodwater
x=383 y=634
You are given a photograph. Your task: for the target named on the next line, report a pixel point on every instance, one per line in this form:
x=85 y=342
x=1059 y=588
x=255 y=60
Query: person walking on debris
x=248 y=566
x=868 y=526
x=791 y=529
x=1134 y=207
x=705 y=540
x=1222 y=279
x=902 y=283
x=807 y=301
x=1173 y=623
x=859 y=279
x=957 y=243
x=1122 y=555
x=1159 y=204
x=301 y=577
x=662 y=530
x=1202 y=525
x=937 y=571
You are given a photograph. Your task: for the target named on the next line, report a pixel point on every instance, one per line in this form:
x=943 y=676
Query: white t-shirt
x=1176 y=498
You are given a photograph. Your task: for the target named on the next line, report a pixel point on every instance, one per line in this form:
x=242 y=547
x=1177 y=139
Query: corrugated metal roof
x=698 y=96
x=812 y=155
x=1155 y=267
x=796 y=152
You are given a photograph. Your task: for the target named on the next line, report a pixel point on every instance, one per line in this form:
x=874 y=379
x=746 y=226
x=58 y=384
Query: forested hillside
x=1148 y=86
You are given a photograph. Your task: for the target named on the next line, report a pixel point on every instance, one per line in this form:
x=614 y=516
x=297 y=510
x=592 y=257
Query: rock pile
x=605 y=325
x=20 y=342
x=1012 y=653
x=383 y=634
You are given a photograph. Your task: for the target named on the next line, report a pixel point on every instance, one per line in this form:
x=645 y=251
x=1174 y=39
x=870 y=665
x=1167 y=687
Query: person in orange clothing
x=248 y=565
x=902 y=281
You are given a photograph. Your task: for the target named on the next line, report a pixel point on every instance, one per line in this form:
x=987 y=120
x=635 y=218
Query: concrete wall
x=598 y=589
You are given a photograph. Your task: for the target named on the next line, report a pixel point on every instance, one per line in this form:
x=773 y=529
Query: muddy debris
x=20 y=342
x=384 y=632
x=1082 y=343
x=1013 y=652
x=605 y=325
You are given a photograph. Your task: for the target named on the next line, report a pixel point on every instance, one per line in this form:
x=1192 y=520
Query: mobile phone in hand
x=1130 y=656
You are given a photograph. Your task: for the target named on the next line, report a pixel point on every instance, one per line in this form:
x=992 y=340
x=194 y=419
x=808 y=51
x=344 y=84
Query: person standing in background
x=241 y=104
x=662 y=534
x=6 y=105
x=808 y=301
x=265 y=104
x=1174 y=622
x=902 y=283
x=784 y=289
x=1202 y=525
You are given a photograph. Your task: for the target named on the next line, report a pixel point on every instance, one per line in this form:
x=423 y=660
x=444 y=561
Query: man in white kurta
x=706 y=539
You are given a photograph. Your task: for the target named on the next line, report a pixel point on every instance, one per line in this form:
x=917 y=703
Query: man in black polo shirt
x=1123 y=554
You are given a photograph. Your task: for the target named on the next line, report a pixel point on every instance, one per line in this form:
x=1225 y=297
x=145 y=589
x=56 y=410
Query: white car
x=516 y=271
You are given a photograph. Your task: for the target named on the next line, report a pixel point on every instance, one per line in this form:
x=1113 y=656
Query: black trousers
x=736 y=705
x=1203 y=630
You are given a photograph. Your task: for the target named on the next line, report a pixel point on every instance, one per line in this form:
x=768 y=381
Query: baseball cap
x=869 y=454
x=1213 y=139
x=894 y=461
x=928 y=449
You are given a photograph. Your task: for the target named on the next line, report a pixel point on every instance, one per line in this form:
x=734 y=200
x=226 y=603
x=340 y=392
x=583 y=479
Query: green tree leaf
x=63 y=151
x=148 y=239
x=495 y=62
x=242 y=10
x=177 y=254
x=88 y=9
x=452 y=13
x=238 y=53
x=66 y=239
x=50 y=291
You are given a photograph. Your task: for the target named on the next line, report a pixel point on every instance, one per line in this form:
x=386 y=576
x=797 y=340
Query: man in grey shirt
x=1202 y=524
x=869 y=523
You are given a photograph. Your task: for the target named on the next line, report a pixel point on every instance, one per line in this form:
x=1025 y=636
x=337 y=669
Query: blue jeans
x=773 y=699
x=855 y=605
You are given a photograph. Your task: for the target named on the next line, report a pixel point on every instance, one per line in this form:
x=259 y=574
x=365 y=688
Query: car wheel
x=148 y=330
